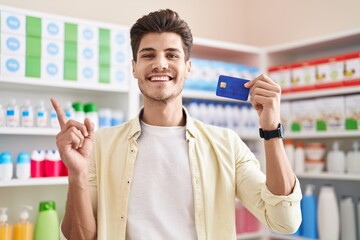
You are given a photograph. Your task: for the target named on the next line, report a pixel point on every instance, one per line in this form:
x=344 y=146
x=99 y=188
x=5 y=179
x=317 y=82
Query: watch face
x=282 y=130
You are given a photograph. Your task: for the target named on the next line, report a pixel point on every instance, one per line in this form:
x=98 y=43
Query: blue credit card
x=232 y=87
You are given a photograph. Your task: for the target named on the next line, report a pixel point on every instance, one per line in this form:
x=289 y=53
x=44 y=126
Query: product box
x=120 y=57
x=52 y=29
x=351 y=69
x=88 y=53
x=119 y=38
x=282 y=76
x=12 y=65
x=88 y=73
x=13 y=23
x=286 y=116
x=352 y=112
x=88 y=35
x=331 y=113
x=120 y=76
x=12 y=44
x=52 y=70
x=302 y=76
x=304 y=115
x=52 y=49
x=328 y=72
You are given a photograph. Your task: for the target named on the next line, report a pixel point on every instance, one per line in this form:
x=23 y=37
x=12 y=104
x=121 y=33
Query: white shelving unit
x=16 y=193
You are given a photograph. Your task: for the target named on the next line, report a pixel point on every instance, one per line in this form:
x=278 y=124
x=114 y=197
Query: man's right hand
x=74 y=141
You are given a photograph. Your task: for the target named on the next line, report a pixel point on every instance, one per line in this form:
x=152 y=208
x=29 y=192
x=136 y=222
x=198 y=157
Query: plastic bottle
x=53 y=120
x=335 y=161
x=37 y=163
x=117 y=117
x=23 y=169
x=69 y=111
x=348 y=221
x=23 y=229
x=290 y=151
x=104 y=117
x=353 y=160
x=328 y=214
x=309 y=213
x=79 y=111
x=12 y=116
x=6 y=166
x=41 y=115
x=299 y=158
x=91 y=112
x=47 y=222
x=5 y=228
x=52 y=163
x=2 y=116
x=27 y=114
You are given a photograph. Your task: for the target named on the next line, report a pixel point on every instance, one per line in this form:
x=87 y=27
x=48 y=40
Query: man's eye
x=172 y=56
x=147 y=56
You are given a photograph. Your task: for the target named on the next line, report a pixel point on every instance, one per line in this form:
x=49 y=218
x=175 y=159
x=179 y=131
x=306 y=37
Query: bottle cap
x=24 y=215
x=23 y=157
x=3 y=215
x=90 y=107
x=309 y=189
x=78 y=106
x=47 y=205
x=6 y=158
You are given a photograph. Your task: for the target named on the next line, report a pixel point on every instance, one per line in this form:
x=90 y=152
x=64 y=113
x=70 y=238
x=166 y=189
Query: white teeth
x=162 y=78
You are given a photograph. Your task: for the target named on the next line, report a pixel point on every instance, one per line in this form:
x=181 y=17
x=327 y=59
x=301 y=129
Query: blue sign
x=120 y=39
x=52 y=69
x=13 y=44
x=88 y=53
x=88 y=34
x=13 y=22
x=53 y=29
x=52 y=49
x=88 y=72
x=12 y=65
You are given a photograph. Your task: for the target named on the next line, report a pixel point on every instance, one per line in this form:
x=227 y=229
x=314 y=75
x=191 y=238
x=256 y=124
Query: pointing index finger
x=59 y=112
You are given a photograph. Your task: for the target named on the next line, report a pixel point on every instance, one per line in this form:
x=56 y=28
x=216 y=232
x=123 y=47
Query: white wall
x=253 y=22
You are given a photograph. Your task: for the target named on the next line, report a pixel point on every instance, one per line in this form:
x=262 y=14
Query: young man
x=163 y=174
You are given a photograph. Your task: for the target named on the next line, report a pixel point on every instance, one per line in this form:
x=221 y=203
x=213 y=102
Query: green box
x=33 y=67
x=33 y=47
x=70 y=51
x=33 y=26
x=104 y=37
x=104 y=73
x=104 y=55
x=71 y=32
x=70 y=70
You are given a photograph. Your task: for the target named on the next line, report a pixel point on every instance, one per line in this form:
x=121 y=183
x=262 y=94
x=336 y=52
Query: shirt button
x=122 y=217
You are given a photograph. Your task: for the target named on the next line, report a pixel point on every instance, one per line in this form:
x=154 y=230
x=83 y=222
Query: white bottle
x=290 y=151
x=69 y=111
x=347 y=216
x=23 y=169
x=2 y=116
x=91 y=112
x=6 y=166
x=335 y=161
x=27 y=114
x=299 y=158
x=41 y=115
x=12 y=115
x=353 y=160
x=53 y=120
x=328 y=214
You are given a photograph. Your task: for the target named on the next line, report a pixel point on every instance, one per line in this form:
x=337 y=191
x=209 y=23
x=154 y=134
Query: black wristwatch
x=277 y=133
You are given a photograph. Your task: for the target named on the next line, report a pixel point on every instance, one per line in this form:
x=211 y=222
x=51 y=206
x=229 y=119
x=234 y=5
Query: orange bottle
x=23 y=230
x=5 y=227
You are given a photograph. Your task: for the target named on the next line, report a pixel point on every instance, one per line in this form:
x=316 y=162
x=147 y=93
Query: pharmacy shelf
x=35 y=83
x=330 y=134
x=48 y=181
x=331 y=176
x=253 y=235
x=29 y=131
x=321 y=93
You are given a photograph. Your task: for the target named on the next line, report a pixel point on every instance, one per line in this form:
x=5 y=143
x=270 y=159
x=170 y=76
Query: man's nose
x=160 y=63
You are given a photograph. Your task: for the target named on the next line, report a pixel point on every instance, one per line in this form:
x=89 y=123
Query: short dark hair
x=160 y=22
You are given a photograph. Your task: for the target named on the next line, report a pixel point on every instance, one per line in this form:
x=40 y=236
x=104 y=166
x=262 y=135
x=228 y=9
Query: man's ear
x=133 y=63
x=188 y=68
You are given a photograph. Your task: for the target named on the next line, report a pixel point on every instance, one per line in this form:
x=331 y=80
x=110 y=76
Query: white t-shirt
x=164 y=209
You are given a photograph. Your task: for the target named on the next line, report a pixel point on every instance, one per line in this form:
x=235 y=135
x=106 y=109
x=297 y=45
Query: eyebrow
x=152 y=49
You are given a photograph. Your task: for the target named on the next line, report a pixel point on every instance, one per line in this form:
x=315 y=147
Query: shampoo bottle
x=353 y=160
x=347 y=217
x=309 y=213
x=299 y=158
x=5 y=227
x=336 y=160
x=47 y=222
x=23 y=230
x=328 y=214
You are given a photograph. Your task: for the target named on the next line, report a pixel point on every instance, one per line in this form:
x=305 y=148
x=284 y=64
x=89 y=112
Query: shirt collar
x=135 y=126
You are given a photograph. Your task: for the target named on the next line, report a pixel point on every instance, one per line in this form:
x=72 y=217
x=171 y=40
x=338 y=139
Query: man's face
x=161 y=68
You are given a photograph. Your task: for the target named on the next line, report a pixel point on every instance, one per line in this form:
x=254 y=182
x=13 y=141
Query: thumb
x=89 y=127
x=248 y=84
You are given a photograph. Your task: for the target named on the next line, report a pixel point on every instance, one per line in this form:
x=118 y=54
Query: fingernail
x=86 y=134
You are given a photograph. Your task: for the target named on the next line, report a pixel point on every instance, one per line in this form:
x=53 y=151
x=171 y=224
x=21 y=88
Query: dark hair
x=159 y=22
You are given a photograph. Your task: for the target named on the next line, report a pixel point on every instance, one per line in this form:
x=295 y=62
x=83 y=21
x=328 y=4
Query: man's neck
x=163 y=114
